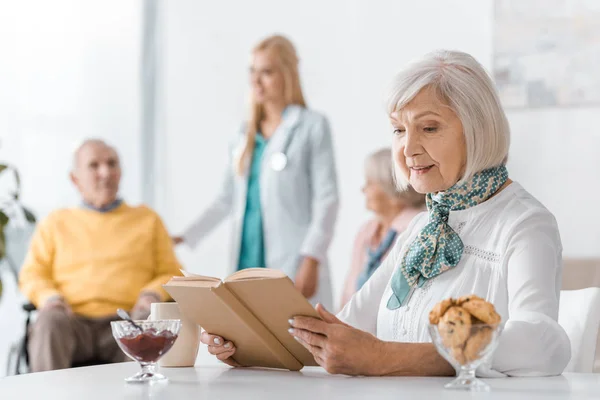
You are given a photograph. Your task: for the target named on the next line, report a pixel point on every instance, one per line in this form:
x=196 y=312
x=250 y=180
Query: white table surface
x=211 y=380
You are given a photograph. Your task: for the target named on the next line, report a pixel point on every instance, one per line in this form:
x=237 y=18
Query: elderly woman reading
x=483 y=234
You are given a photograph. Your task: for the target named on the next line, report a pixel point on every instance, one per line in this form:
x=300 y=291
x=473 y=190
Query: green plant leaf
x=3 y=220
x=29 y=216
x=2 y=243
x=18 y=182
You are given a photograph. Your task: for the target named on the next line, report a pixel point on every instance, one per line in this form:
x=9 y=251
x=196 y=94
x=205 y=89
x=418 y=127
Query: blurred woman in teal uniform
x=281 y=185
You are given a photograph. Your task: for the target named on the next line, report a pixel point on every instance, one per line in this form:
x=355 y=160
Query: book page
x=255 y=273
x=188 y=274
x=193 y=282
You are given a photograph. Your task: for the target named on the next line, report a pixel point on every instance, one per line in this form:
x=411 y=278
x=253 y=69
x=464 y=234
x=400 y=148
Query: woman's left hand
x=336 y=346
x=307 y=277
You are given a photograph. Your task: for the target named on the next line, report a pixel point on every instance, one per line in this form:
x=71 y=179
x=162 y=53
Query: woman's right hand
x=219 y=347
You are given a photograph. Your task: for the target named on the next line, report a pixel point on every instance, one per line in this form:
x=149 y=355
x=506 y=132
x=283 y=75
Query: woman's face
x=377 y=199
x=428 y=146
x=266 y=78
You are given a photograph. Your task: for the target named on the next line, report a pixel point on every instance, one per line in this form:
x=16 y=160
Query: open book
x=251 y=308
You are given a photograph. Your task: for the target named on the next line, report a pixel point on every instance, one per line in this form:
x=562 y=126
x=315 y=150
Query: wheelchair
x=17 y=243
x=18 y=357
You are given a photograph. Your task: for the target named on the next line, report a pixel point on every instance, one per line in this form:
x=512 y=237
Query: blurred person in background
x=394 y=210
x=280 y=185
x=86 y=262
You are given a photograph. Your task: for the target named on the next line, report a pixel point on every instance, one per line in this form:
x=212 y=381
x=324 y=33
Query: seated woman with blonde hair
x=393 y=209
x=483 y=234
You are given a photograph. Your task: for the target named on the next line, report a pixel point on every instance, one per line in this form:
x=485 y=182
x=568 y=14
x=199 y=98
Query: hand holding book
x=220 y=348
x=224 y=349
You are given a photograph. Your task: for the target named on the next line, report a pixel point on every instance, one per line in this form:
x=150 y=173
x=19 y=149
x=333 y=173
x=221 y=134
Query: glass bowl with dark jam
x=146 y=342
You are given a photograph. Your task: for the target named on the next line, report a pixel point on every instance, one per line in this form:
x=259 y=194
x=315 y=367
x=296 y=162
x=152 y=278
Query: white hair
x=379 y=168
x=83 y=143
x=463 y=85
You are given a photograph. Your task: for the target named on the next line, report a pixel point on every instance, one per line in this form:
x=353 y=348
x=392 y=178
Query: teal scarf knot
x=437 y=248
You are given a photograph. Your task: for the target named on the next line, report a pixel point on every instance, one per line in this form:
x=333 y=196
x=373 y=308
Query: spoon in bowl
x=125 y=315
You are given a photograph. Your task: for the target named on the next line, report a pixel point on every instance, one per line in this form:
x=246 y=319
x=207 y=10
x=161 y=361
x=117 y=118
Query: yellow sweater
x=99 y=262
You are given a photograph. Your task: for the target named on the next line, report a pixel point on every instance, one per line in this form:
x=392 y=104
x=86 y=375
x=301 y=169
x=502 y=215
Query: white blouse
x=512 y=258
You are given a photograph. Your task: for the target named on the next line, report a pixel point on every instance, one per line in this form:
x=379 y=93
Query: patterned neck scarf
x=437 y=248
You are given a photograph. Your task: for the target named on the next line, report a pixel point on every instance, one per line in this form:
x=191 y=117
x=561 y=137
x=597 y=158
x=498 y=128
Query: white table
x=209 y=380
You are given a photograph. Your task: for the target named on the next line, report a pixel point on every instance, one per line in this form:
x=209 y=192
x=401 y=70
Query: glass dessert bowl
x=146 y=342
x=466 y=348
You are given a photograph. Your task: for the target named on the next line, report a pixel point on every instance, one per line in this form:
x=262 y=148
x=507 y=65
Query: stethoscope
x=279 y=160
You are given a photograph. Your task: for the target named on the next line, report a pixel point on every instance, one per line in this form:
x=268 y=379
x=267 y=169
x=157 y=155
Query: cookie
x=458 y=355
x=463 y=299
x=439 y=309
x=477 y=342
x=482 y=310
x=455 y=326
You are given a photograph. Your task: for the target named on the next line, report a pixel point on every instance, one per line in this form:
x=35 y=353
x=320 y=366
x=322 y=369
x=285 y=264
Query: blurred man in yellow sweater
x=85 y=262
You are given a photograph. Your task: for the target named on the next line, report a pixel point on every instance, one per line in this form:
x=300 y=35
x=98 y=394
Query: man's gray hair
x=86 y=142
x=463 y=84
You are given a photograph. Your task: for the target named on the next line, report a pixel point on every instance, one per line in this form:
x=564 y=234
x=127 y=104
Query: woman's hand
x=307 y=277
x=219 y=347
x=338 y=347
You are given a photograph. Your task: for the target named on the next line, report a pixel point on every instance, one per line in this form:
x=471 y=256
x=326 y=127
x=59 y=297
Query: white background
x=69 y=69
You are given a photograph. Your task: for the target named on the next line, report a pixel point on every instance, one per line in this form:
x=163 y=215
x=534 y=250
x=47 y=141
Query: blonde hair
x=379 y=168
x=462 y=84
x=285 y=52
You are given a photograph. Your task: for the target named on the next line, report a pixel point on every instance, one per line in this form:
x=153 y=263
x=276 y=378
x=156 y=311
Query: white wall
x=68 y=70
x=349 y=51
x=554 y=154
